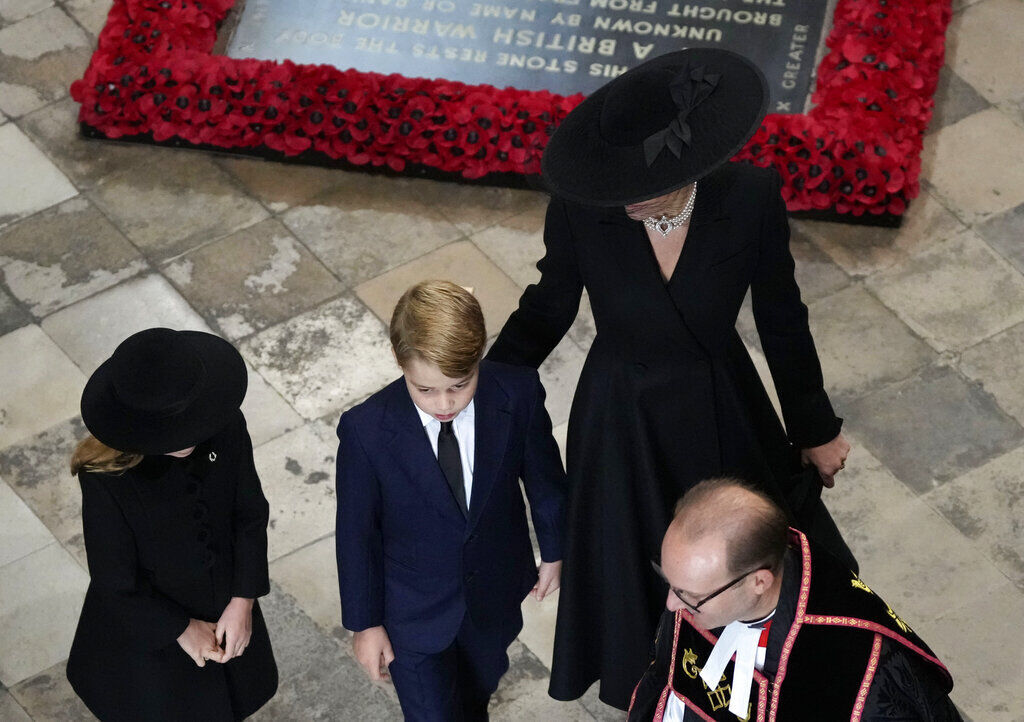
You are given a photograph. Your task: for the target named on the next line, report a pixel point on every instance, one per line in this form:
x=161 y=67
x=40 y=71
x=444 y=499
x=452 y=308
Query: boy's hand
x=234 y=628
x=829 y=459
x=549 y=575
x=373 y=652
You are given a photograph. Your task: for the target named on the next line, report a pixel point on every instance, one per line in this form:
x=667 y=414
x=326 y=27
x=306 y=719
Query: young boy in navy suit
x=434 y=553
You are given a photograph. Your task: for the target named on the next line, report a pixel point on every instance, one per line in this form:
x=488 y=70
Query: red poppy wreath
x=154 y=77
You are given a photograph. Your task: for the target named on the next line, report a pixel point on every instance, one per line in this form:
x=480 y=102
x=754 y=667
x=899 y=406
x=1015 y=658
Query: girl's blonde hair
x=91 y=454
x=442 y=323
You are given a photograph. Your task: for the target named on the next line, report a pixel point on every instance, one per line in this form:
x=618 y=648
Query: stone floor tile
x=266 y=413
x=461 y=262
x=1013 y=109
x=559 y=373
x=886 y=349
x=987 y=505
x=362 y=230
x=320 y=679
x=584 y=329
x=864 y=490
x=918 y=562
x=48 y=696
x=863 y=250
x=310 y=575
x=976 y=167
x=522 y=693
x=183 y=202
x=37 y=470
x=39 y=385
x=40 y=57
x=954 y=294
x=279 y=186
x=12 y=11
x=324 y=359
x=599 y=710
x=955 y=99
x=977 y=42
x=1004 y=233
x=980 y=642
x=538 y=633
x=64 y=254
x=815 y=273
x=996 y=363
x=765 y=374
x=21 y=533
x=297 y=471
x=515 y=245
x=40 y=597
x=90 y=330
x=85 y=161
x=474 y=207
x=38 y=184
x=252 y=279
x=932 y=428
x=10 y=710
x=12 y=315
x=90 y=14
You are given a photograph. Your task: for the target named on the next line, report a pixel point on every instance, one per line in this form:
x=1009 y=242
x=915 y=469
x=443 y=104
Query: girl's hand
x=200 y=642
x=234 y=628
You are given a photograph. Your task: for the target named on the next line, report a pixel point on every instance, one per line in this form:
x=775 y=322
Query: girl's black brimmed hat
x=656 y=128
x=164 y=391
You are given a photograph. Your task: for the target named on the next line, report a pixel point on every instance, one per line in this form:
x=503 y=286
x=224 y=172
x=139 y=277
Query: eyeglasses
x=696 y=607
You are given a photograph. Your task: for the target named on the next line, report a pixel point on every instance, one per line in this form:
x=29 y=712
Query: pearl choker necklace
x=665 y=225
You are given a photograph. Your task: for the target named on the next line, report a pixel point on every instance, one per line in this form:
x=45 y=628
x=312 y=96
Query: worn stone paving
x=920 y=331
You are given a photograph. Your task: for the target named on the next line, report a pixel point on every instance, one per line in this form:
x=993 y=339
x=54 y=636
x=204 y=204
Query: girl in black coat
x=668 y=395
x=176 y=536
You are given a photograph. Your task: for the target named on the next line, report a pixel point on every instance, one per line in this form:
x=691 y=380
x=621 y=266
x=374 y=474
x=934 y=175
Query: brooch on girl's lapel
x=212 y=457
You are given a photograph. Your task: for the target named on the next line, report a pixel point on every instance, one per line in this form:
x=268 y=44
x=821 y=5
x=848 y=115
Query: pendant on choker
x=666 y=225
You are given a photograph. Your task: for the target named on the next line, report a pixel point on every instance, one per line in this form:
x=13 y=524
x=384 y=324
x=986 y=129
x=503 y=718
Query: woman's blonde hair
x=441 y=323
x=91 y=454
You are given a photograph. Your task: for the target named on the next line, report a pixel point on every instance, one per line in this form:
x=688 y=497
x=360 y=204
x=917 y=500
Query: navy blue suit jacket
x=407 y=557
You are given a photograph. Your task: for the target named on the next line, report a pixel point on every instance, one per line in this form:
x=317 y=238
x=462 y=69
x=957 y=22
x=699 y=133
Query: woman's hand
x=234 y=628
x=200 y=642
x=549 y=576
x=373 y=652
x=828 y=458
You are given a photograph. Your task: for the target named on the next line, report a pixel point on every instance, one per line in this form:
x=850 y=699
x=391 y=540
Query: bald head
x=730 y=514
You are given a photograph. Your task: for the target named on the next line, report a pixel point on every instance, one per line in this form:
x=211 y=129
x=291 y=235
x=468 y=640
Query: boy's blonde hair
x=441 y=323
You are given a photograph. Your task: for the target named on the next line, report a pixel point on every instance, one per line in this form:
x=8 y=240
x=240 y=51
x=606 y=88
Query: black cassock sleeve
x=652 y=684
x=906 y=688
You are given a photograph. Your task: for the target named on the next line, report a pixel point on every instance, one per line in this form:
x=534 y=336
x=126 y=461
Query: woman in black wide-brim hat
x=175 y=529
x=667 y=237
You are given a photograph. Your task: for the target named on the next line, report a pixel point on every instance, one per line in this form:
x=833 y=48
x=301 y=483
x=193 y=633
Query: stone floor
x=920 y=331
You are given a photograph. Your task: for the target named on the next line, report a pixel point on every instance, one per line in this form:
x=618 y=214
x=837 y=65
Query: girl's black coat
x=169 y=540
x=668 y=396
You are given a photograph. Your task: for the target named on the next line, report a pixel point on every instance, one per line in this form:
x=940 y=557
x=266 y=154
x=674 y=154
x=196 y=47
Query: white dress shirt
x=464 y=426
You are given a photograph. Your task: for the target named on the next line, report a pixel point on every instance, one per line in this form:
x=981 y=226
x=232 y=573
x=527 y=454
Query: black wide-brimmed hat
x=164 y=391
x=656 y=128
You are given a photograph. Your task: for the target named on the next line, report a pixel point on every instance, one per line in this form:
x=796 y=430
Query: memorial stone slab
x=565 y=46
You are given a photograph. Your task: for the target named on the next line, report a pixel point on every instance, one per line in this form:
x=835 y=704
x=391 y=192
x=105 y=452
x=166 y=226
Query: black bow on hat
x=689 y=88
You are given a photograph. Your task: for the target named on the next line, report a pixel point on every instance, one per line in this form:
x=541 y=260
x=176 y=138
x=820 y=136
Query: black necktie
x=451 y=463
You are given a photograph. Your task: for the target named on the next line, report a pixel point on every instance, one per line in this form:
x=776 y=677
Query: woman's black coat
x=169 y=540
x=668 y=396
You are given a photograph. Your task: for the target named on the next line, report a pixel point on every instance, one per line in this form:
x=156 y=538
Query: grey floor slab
x=48 y=697
x=1005 y=233
x=933 y=427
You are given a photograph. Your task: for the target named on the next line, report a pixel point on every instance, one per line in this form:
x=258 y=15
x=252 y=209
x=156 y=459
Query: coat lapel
x=412 y=451
x=493 y=424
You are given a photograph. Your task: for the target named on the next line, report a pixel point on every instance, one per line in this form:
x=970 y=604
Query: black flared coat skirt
x=668 y=396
